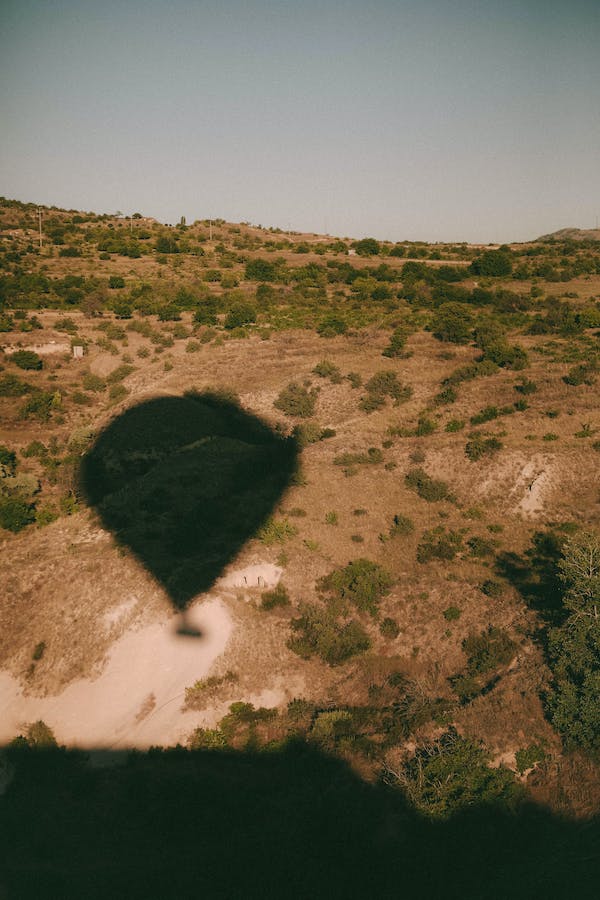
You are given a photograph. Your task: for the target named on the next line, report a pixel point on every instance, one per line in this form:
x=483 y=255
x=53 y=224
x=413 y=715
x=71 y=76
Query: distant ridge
x=572 y=234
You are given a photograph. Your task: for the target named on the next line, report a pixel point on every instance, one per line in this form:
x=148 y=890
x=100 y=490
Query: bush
x=397 y=343
x=260 y=270
x=318 y=632
x=117 y=392
x=401 y=525
x=295 y=400
x=27 y=359
x=455 y=425
x=426 y=487
x=480 y=446
x=326 y=369
x=451 y=613
x=585 y=373
x=453 y=773
x=276 y=531
x=119 y=373
x=40 y=405
x=367 y=247
x=8 y=461
x=495 y=263
x=362 y=583
x=389 y=628
x=116 y=281
x=13 y=386
x=480 y=547
x=492 y=589
x=488 y=650
x=332 y=325
x=274 y=598
x=453 y=322
x=15 y=513
x=93 y=382
x=439 y=544
x=240 y=314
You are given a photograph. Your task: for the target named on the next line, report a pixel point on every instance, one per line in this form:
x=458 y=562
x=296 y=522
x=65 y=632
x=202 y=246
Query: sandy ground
x=136 y=701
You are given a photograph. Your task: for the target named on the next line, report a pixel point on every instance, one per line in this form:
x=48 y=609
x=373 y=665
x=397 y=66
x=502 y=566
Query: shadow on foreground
x=286 y=823
x=184 y=482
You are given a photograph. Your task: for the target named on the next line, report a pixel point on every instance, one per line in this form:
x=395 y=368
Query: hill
x=262 y=491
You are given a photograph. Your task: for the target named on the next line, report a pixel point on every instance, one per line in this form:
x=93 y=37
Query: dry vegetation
x=251 y=312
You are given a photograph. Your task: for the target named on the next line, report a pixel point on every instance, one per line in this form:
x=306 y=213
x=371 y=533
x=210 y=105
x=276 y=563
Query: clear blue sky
x=403 y=119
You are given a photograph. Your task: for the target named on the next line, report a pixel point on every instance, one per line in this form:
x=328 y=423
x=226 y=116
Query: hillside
x=332 y=483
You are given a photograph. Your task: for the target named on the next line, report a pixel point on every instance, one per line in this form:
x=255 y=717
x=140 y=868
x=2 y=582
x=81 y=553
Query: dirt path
x=136 y=701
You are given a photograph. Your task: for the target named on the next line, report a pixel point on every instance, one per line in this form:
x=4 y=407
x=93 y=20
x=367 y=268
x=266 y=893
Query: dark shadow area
x=534 y=574
x=184 y=482
x=291 y=823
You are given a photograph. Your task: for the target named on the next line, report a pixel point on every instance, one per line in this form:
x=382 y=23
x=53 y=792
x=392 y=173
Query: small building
x=78 y=351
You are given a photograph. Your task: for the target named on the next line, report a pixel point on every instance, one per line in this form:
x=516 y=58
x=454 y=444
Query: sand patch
x=136 y=701
x=261 y=575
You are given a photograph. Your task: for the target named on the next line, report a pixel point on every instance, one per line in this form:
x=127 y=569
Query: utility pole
x=131 y=224
x=40 y=224
x=210 y=229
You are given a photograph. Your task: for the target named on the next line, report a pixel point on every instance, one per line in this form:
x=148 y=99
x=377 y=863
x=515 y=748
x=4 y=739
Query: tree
x=573 y=701
x=27 y=359
x=453 y=322
x=580 y=573
x=493 y=262
x=367 y=247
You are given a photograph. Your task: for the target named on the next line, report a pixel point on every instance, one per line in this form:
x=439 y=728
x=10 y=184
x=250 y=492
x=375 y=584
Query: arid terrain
x=445 y=413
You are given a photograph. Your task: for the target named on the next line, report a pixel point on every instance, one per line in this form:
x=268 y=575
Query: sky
x=438 y=120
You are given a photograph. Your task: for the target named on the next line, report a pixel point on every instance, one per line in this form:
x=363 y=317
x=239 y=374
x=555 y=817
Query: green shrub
x=319 y=632
x=296 y=400
x=439 y=544
x=389 y=628
x=27 y=359
x=426 y=487
x=8 y=461
x=451 y=774
x=373 y=456
x=488 y=650
x=451 y=613
x=13 y=386
x=362 y=583
x=274 y=598
x=528 y=757
x=382 y=385
x=117 y=392
x=93 y=382
x=326 y=369
x=401 y=525
x=276 y=531
x=119 y=373
x=240 y=314
x=480 y=446
x=453 y=322
x=116 y=281
x=38 y=651
x=332 y=325
x=585 y=373
x=331 y=518
x=397 y=343
x=307 y=433
x=480 y=547
x=492 y=588
x=455 y=425
x=15 y=513
x=355 y=379
x=40 y=405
